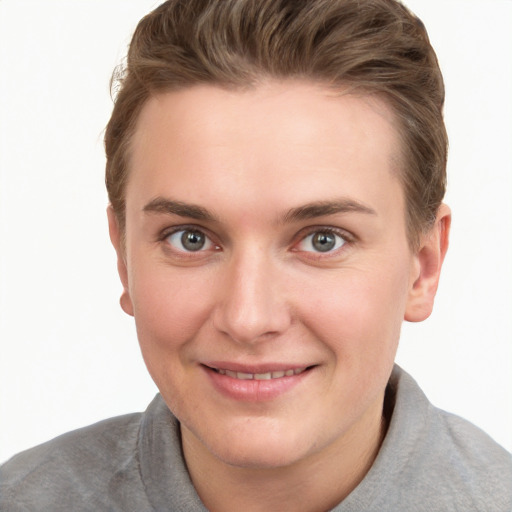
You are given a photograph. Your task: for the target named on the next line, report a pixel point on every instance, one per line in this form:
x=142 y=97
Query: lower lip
x=254 y=390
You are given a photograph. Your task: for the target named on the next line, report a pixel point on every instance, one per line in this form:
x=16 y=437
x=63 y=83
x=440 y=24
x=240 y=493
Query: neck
x=318 y=482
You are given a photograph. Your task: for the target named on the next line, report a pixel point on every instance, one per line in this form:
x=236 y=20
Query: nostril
x=249 y=325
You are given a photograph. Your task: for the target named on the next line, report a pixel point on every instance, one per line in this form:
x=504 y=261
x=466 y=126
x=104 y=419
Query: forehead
x=299 y=142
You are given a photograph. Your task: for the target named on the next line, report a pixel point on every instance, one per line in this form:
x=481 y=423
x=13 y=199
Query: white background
x=69 y=356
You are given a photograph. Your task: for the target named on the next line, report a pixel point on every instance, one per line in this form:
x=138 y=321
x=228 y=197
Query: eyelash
x=164 y=236
x=346 y=238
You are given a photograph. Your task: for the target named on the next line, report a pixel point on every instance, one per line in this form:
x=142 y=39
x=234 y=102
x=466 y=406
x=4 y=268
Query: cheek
x=169 y=307
x=169 y=312
x=359 y=313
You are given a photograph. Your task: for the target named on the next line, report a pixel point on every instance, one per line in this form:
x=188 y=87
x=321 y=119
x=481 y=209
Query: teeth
x=244 y=376
x=260 y=376
x=263 y=376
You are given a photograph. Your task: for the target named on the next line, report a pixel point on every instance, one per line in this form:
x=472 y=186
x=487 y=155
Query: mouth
x=270 y=375
x=257 y=383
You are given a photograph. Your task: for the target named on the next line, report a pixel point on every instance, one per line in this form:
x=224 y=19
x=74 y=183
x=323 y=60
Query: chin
x=261 y=456
x=258 y=445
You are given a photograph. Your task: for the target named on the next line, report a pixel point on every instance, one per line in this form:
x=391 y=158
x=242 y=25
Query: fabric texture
x=429 y=461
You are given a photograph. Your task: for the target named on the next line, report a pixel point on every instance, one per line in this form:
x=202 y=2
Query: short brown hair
x=371 y=46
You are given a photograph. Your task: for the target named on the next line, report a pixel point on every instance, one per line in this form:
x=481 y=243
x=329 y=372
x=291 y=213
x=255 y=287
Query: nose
x=252 y=303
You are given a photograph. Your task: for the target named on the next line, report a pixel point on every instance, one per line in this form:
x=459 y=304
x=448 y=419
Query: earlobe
x=430 y=257
x=116 y=239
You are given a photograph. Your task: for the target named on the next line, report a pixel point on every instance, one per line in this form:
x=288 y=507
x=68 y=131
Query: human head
x=229 y=181
x=374 y=47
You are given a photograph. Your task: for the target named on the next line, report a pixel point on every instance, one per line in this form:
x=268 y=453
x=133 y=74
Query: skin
x=259 y=294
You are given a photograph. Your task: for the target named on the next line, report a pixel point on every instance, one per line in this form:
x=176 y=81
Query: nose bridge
x=251 y=303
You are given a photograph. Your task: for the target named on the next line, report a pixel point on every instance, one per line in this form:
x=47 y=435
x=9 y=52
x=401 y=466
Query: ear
x=116 y=239
x=429 y=259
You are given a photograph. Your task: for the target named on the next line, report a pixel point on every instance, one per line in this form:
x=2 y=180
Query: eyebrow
x=324 y=208
x=304 y=212
x=170 y=207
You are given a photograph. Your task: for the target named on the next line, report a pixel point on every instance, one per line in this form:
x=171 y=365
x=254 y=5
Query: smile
x=255 y=383
x=260 y=376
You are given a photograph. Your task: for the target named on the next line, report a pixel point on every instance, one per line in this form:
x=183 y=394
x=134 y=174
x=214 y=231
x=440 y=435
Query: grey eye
x=321 y=241
x=189 y=240
x=192 y=240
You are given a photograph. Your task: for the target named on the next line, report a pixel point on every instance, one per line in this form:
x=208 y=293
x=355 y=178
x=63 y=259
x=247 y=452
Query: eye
x=189 y=240
x=321 y=241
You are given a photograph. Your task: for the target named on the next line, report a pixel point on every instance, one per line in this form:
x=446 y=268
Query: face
x=267 y=266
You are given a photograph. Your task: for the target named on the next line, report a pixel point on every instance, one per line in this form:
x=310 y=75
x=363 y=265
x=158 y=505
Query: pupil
x=192 y=240
x=323 y=242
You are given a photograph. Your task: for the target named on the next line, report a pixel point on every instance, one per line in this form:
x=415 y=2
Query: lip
x=255 y=389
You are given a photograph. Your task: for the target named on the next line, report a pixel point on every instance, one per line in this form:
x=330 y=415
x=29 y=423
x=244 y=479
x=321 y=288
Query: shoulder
x=432 y=460
x=450 y=463
x=128 y=463
x=472 y=460
x=72 y=468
